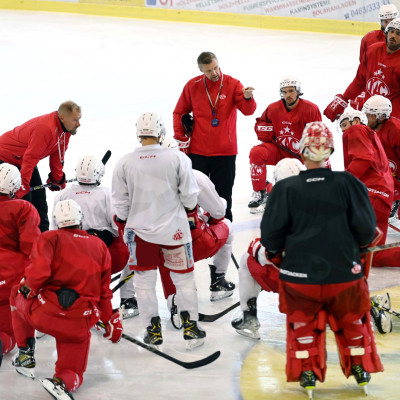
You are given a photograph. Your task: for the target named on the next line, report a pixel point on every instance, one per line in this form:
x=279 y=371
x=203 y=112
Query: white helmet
x=350 y=114
x=290 y=81
x=67 y=213
x=170 y=142
x=379 y=106
x=89 y=170
x=286 y=168
x=150 y=124
x=10 y=179
x=388 y=11
x=316 y=144
x=394 y=23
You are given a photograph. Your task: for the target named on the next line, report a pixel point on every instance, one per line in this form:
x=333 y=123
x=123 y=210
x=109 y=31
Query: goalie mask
x=67 y=213
x=89 y=170
x=388 y=11
x=379 y=106
x=286 y=168
x=10 y=179
x=150 y=124
x=316 y=143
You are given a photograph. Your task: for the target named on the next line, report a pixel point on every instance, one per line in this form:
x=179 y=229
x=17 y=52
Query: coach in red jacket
x=38 y=138
x=211 y=142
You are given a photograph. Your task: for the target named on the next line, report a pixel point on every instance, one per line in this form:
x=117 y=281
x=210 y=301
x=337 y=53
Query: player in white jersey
x=98 y=211
x=151 y=188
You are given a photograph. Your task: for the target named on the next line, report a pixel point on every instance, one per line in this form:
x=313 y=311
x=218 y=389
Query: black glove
x=54 y=185
x=187 y=123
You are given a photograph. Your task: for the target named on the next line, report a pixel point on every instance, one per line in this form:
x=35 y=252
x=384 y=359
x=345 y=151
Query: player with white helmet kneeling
x=98 y=212
x=66 y=290
x=155 y=196
x=256 y=271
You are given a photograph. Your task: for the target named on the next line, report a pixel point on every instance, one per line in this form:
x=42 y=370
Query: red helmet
x=316 y=143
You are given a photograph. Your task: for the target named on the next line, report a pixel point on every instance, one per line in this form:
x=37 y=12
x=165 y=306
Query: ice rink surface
x=117 y=68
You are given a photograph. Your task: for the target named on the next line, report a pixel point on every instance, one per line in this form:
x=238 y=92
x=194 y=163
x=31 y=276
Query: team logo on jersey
x=393 y=166
x=256 y=170
x=222 y=96
x=178 y=235
x=376 y=85
x=287 y=139
x=356 y=268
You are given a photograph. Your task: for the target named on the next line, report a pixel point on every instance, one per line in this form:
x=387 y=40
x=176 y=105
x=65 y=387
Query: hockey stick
x=287 y=150
x=122 y=283
x=394 y=227
x=188 y=365
x=380 y=247
x=114 y=278
x=104 y=160
x=234 y=261
x=388 y=310
x=214 y=317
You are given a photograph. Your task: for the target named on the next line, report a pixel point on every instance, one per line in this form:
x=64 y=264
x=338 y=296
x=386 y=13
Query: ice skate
x=130 y=309
x=307 y=381
x=258 y=202
x=173 y=308
x=24 y=361
x=394 y=213
x=219 y=287
x=56 y=388
x=153 y=334
x=248 y=324
x=362 y=377
x=383 y=320
x=192 y=333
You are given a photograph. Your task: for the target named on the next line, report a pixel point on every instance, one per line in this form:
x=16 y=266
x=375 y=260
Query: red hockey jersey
x=289 y=125
x=389 y=134
x=19 y=228
x=365 y=158
x=71 y=258
x=371 y=38
x=378 y=73
x=34 y=140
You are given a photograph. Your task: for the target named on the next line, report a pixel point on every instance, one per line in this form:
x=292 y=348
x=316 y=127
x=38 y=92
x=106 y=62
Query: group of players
x=162 y=214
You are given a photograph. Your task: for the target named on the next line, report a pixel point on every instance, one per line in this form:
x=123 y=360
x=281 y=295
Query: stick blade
x=106 y=157
x=214 y=317
x=201 y=363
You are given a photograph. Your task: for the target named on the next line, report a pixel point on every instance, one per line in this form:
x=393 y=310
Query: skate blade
x=310 y=393
x=176 y=322
x=216 y=296
x=257 y=210
x=194 y=343
x=365 y=388
x=130 y=313
x=27 y=372
x=54 y=392
x=249 y=333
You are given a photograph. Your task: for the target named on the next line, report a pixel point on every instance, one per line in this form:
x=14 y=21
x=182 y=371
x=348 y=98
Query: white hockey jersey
x=96 y=204
x=209 y=199
x=150 y=188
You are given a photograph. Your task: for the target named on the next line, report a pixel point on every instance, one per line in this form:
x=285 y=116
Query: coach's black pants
x=221 y=170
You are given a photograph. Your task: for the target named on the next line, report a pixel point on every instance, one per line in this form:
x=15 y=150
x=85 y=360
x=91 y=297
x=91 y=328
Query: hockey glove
x=257 y=250
x=21 y=192
x=187 y=124
x=358 y=102
x=25 y=290
x=54 y=185
x=264 y=131
x=336 y=107
x=114 y=327
x=193 y=217
x=183 y=144
x=121 y=226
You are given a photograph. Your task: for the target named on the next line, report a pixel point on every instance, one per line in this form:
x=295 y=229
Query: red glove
x=121 y=226
x=264 y=131
x=358 y=102
x=21 y=192
x=193 y=217
x=258 y=251
x=54 y=185
x=183 y=144
x=336 y=107
x=114 y=327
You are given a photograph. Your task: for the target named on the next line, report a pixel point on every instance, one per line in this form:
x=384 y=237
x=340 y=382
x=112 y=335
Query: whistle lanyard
x=213 y=106
x=59 y=147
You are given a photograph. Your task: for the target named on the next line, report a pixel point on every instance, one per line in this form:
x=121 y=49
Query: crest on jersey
x=376 y=85
x=255 y=170
x=393 y=166
x=286 y=138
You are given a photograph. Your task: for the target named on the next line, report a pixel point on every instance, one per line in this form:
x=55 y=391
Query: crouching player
x=19 y=228
x=321 y=218
x=66 y=290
